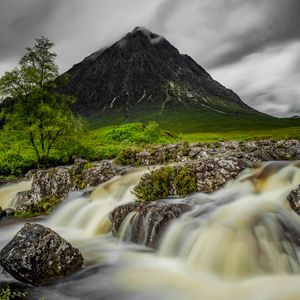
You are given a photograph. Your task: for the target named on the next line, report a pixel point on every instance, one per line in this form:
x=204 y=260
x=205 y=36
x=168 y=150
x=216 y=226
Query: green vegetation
x=41 y=131
x=180 y=119
x=38 y=112
x=40 y=208
x=284 y=133
x=120 y=142
x=164 y=182
x=8 y=294
x=17 y=156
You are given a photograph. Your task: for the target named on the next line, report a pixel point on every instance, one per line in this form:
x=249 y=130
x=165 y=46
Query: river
x=241 y=242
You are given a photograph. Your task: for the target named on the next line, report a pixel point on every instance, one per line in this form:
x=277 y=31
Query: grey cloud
x=280 y=23
x=21 y=22
x=239 y=41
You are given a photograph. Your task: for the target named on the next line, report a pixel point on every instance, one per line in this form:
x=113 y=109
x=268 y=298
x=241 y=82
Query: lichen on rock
x=38 y=256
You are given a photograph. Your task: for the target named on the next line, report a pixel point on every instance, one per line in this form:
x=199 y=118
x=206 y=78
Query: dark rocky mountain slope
x=143 y=75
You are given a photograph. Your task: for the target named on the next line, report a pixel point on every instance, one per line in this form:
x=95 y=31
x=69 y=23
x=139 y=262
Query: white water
x=242 y=242
x=91 y=215
x=9 y=191
x=239 y=243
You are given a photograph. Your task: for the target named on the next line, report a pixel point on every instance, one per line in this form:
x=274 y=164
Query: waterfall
x=8 y=193
x=241 y=242
x=91 y=214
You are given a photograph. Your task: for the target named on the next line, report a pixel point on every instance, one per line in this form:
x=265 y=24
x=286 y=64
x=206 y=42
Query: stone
x=102 y=172
x=150 y=220
x=52 y=185
x=211 y=174
x=9 y=212
x=294 y=200
x=38 y=256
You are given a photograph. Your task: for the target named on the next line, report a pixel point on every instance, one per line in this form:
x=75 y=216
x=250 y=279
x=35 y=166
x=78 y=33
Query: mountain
x=143 y=76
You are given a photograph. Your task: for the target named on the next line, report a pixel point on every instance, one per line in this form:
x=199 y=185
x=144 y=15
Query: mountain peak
x=144 y=73
x=153 y=38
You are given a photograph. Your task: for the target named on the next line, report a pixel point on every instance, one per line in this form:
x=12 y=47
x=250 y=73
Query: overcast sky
x=250 y=46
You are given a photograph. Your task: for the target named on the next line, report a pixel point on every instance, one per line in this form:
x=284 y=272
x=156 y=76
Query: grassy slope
x=204 y=121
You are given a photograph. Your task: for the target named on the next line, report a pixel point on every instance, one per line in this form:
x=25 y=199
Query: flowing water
x=242 y=242
x=9 y=191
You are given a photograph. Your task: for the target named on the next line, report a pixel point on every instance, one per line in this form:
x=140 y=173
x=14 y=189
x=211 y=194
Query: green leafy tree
x=38 y=108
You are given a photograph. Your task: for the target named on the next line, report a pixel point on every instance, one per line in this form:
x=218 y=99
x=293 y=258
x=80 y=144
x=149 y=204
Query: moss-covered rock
x=128 y=156
x=166 y=181
x=182 y=179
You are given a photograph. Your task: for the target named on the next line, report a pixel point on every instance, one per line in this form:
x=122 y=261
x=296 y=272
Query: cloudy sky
x=250 y=46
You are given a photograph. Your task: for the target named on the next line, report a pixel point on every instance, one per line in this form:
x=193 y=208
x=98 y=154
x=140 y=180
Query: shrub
x=164 y=182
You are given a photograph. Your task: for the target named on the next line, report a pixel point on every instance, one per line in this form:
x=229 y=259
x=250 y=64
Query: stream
x=241 y=242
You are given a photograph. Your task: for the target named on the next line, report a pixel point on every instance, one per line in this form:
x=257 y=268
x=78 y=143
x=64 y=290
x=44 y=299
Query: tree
x=38 y=108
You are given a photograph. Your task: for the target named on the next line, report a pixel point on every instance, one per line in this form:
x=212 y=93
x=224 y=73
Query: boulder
x=211 y=174
x=294 y=200
x=148 y=221
x=9 y=212
x=38 y=256
x=49 y=186
x=102 y=172
x=181 y=179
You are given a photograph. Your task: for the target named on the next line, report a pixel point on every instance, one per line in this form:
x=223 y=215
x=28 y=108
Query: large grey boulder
x=50 y=186
x=38 y=256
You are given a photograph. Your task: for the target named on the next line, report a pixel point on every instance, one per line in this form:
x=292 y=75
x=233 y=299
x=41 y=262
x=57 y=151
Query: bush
x=164 y=182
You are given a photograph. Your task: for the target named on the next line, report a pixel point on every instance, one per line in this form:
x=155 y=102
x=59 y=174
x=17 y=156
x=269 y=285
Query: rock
x=211 y=174
x=149 y=221
x=294 y=200
x=47 y=186
x=253 y=151
x=182 y=179
x=120 y=213
x=9 y=212
x=38 y=256
x=102 y=172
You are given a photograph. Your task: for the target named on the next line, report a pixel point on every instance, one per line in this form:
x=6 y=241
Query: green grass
x=105 y=137
x=17 y=156
x=181 y=120
x=264 y=134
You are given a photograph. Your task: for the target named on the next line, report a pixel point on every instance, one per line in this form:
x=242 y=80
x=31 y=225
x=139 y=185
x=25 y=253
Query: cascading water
x=91 y=214
x=256 y=233
x=242 y=242
x=8 y=193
